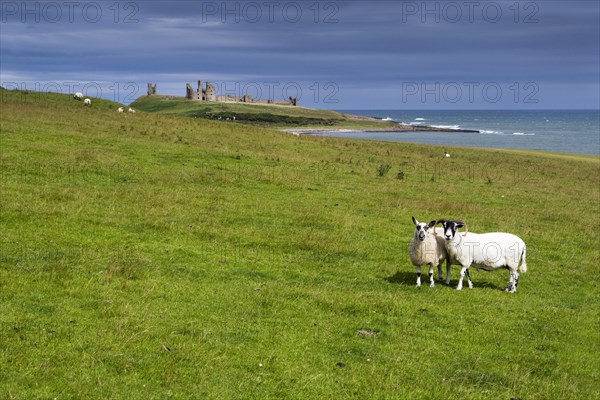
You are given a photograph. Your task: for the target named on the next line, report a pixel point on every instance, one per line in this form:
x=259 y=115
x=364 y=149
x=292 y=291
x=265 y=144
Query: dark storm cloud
x=370 y=50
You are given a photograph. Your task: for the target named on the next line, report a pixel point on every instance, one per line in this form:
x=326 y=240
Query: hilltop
x=303 y=120
x=263 y=114
x=151 y=255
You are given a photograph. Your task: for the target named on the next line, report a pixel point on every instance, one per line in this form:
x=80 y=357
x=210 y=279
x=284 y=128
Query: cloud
x=378 y=44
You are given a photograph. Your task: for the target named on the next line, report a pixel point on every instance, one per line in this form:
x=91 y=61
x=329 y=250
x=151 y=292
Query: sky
x=330 y=54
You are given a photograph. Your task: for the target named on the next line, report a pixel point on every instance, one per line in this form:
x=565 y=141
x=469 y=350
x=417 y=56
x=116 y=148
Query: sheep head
x=451 y=227
x=422 y=228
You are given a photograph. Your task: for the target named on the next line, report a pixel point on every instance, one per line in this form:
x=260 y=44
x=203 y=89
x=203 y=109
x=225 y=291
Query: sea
x=564 y=131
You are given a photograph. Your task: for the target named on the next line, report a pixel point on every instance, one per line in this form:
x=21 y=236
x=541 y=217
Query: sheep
x=446 y=154
x=488 y=251
x=131 y=110
x=428 y=247
x=120 y=109
x=87 y=102
x=78 y=96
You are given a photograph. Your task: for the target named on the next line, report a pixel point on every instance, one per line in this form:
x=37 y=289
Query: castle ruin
x=201 y=94
x=209 y=93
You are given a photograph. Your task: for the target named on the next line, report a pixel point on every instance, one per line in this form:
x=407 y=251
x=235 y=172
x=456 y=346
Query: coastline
x=398 y=127
x=551 y=132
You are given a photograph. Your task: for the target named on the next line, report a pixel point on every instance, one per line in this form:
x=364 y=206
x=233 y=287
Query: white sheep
x=120 y=109
x=428 y=248
x=488 y=251
x=78 y=96
x=446 y=154
x=131 y=110
x=87 y=102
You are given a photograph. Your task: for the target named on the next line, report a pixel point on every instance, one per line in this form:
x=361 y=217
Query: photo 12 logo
x=54 y=12
x=452 y=12
x=469 y=92
x=253 y=12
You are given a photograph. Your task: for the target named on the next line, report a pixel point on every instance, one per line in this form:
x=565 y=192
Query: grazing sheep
x=446 y=154
x=120 y=109
x=87 y=102
x=428 y=248
x=131 y=110
x=488 y=251
x=78 y=96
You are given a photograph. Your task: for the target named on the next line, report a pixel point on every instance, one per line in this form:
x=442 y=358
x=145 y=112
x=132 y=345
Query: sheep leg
x=513 y=281
x=440 y=276
x=418 y=276
x=431 y=281
x=511 y=284
x=469 y=279
x=448 y=273
x=462 y=275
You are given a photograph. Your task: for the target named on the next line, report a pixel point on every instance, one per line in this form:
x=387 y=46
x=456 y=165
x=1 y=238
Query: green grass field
x=152 y=256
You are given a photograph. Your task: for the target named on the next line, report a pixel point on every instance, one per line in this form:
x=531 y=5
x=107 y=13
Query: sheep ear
x=433 y=223
x=459 y=224
x=415 y=221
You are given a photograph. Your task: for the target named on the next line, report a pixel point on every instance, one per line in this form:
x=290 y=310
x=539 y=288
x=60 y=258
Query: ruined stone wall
x=200 y=92
x=210 y=94
x=229 y=98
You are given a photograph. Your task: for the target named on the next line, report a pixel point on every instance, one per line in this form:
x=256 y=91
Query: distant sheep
x=131 y=110
x=78 y=96
x=87 y=102
x=120 y=109
x=446 y=154
x=428 y=248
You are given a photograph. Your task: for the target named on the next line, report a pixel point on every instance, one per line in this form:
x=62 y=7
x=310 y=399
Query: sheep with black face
x=488 y=251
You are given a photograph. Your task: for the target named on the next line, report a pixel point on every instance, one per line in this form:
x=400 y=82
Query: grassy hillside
x=262 y=114
x=154 y=256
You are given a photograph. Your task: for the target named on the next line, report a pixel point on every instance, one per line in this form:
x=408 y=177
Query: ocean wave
x=523 y=134
x=487 y=132
x=387 y=119
x=446 y=126
x=420 y=119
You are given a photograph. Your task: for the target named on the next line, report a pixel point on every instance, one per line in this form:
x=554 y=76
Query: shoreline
x=396 y=128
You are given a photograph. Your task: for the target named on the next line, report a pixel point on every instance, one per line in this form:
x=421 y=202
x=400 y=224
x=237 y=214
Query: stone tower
x=211 y=92
x=151 y=89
